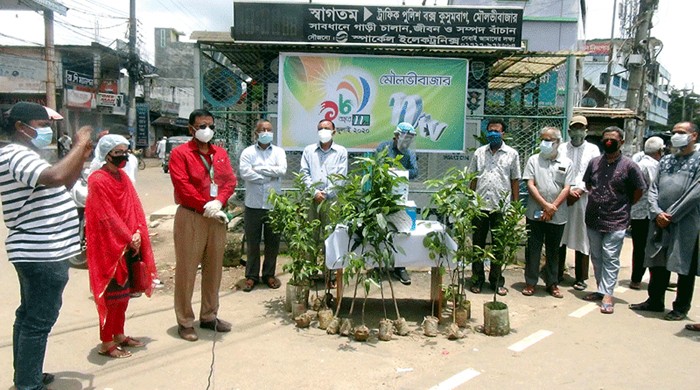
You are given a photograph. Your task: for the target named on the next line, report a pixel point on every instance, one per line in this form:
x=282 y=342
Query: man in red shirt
x=203 y=181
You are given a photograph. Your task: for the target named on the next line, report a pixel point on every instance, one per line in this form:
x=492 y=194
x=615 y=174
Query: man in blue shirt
x=400 y=146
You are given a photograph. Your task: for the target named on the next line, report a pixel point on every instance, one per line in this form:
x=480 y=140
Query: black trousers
x=550 y=235
x=658 y=282
x=640 y=228
x=257 y=224
x=581 y=263
x=482 y=227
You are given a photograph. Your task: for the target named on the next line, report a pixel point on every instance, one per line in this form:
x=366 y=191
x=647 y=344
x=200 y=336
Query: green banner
x=367 y=96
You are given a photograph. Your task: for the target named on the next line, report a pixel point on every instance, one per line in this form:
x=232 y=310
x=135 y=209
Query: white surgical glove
x=221 y=217
x=211 y=207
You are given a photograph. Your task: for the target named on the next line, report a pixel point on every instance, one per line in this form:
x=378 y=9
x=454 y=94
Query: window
x=603 y=79
x=616 y=81
x=624 y=84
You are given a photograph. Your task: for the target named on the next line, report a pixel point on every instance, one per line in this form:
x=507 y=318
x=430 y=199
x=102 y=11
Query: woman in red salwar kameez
x=115 y=227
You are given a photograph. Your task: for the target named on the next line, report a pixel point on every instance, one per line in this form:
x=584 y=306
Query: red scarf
x=113 y=213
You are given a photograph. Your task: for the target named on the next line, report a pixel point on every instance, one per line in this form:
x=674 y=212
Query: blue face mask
x=495 y=139
x=44 y=135
x=265 y=137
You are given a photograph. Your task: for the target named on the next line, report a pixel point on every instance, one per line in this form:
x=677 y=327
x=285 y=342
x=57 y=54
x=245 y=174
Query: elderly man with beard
x=674 y=211
x=614 y=183
x=580 y=152
x=549 y=177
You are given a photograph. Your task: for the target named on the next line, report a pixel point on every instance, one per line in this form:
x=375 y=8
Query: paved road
x=555 y=343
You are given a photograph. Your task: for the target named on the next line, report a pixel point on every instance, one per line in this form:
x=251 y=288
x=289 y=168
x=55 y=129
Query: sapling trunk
x=354 y=294
x=393 y=296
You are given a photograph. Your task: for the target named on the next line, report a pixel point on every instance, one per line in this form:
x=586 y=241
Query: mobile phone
x=538 y=214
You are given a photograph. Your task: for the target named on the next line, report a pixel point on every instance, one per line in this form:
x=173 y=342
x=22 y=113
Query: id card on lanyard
x=213 y=188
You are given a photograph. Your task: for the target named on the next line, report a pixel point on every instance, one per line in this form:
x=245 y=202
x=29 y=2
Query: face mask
x=265 y=137
x=119 y=161
x=546 y=148
x=204 y=135
x=680 y=140
x=495 y=139
x=403 y=142
x=325 y=135
x=43 y=136
x=577 y=137
x=610 y=146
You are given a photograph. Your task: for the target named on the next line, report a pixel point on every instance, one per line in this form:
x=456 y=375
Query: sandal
x=674 y=315
x=115 y=352
x=249 y=285
x=693 y=327
x=528 y=290
x=273 y=282
x=555 y=292
x=475 y=289
x=607 y=308
x=502 y=291
x=580 y=285
x=594 y=296
x=130 y=342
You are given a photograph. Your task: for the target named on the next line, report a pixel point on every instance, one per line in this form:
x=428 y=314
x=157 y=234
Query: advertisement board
x=367 y=96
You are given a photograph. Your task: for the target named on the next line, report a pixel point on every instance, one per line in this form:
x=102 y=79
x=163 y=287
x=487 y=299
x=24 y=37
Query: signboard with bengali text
x=396 y=26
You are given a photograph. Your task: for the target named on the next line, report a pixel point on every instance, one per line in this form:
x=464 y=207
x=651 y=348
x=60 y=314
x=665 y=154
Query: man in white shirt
x=575 y=237
x=498 y=169
x=160 y=149
x=262 y=166
x=649 y=164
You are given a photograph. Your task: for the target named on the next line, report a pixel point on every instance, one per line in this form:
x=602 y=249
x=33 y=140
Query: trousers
x=257 y=225
x=198 y=240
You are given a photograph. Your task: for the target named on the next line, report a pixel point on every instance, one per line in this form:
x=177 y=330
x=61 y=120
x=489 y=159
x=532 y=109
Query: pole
x=50 y=56
x=132 y=68
x=610 y=56
x=636 y=90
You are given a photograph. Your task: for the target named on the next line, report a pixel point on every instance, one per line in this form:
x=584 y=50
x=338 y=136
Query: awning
x=605 y=112
x=511 y=70
x=519 y=69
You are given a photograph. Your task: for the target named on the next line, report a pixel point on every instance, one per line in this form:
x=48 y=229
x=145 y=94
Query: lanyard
x=209 y=167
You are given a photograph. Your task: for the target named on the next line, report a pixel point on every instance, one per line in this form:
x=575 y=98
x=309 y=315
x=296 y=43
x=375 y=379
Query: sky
x=673 y=25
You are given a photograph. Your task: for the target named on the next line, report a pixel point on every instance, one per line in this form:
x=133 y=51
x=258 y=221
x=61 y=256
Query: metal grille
x=238 y=105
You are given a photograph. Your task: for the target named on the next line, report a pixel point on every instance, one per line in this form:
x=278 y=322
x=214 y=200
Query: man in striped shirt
x=42 y=226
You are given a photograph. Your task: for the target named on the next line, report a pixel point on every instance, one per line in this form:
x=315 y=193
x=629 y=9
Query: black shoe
x=47 y=378
x=402 y=276
x=217 y=325
x=646 y=306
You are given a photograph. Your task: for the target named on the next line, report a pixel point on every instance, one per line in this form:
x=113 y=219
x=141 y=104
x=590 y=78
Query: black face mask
x=610 y=146
x=119 y=161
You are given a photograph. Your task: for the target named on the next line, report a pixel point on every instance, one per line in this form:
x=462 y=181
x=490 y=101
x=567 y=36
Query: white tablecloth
x=414 y=253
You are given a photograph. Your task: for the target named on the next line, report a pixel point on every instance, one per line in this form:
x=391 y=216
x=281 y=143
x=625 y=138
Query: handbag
x=139 y=278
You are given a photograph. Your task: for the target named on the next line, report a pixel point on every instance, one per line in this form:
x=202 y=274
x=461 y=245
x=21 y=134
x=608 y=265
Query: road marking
x=589 y=307
x=530 y=340
x=456 y=380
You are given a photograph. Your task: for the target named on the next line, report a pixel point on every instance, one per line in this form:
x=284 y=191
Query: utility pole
x=611 y=51
x=636 y=91
x=50 y=57
x=132 y=68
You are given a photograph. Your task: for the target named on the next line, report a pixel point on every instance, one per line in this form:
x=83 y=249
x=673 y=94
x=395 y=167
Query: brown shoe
x=218 y=325
x=188 y=334
x=554 y=291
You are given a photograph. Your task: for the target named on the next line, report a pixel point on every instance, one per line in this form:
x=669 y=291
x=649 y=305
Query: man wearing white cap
x=400 y=145
x=580 y=152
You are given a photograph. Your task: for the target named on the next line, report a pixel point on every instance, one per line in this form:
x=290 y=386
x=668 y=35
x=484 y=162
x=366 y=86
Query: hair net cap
x=405 y=127
x=107 y=143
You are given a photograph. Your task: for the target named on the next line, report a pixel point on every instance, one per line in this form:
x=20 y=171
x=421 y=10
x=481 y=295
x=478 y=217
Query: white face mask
x=680 y=140
x=547 y=149
x=325 y=135
x=204 y=135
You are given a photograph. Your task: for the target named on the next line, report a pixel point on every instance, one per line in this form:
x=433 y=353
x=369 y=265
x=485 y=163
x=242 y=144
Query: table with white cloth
x=412 y=254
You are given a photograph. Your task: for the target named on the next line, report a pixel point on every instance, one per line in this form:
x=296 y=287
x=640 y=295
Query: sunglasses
x=204 y=126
